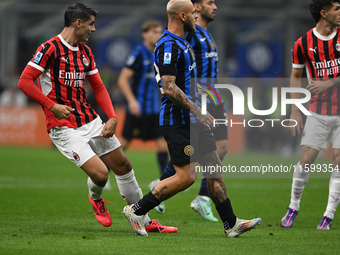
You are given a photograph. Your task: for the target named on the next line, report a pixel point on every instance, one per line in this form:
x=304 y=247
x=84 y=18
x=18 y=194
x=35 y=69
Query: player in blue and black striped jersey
x=138 y=85
x=186 y=130
x=206 y=55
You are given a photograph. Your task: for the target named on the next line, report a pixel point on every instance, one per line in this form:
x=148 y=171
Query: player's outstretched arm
x=176 y=95
x=295 y=82
x=123 y=83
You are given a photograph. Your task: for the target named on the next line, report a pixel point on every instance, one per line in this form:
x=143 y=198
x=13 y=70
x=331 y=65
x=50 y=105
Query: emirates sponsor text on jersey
x=327 y=67
x=72 y=79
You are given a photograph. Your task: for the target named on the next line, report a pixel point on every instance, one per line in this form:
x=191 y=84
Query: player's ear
x=198 y=7
x=182 y=16
x=77 y=23
x=323 y=13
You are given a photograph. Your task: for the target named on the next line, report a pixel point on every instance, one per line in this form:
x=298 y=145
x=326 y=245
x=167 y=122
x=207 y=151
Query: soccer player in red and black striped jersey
x=319 y=52
x=61 y=65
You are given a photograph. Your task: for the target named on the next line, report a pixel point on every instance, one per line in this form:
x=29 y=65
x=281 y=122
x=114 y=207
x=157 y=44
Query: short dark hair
x=315 y=7
x=150 y=24
x=78 y=11
x=196 y=1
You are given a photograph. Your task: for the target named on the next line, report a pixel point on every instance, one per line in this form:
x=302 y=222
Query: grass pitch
x=44 y=209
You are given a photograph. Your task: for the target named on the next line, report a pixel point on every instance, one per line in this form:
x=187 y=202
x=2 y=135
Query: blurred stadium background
x=44 y=209
x=254 y=37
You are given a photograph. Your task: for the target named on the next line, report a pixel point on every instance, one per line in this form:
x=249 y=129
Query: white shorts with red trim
x=320 y=130
x=81 y=144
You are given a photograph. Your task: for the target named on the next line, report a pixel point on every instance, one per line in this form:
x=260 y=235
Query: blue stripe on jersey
x=206 y=53
x=144 y=86
x=174 y=56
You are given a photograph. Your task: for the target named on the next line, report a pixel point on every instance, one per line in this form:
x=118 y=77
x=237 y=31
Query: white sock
x=129 y=188
x=94 y=190
x=130 y=191
x=300 y=179
x=334 y=194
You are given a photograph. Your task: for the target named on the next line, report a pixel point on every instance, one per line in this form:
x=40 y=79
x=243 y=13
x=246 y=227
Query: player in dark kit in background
x=61 y=65
x=319 y=52
x=185 y=129
x=138 y=85
x=206 y=54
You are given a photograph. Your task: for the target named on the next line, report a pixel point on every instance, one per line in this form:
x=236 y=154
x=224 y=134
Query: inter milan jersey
x=206 y=55
x=174 y=56
x=144 y=85
x=64 y=70
x=320 y=55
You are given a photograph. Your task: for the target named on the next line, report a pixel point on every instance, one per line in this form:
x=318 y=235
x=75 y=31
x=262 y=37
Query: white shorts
x=319 y=130
x=81 y=144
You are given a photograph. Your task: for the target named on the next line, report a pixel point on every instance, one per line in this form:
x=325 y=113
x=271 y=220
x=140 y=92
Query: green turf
x=44 y=209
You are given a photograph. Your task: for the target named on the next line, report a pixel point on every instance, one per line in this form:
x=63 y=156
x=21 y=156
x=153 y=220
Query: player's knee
x=222 y=148
x=191 y=181
x=306 y=161
x=222 y=152
x=187 y=182
x=123 y=166
x=100 y=177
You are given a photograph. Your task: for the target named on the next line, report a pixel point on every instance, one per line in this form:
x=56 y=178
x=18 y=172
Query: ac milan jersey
x=64 y=70
x=320 y=55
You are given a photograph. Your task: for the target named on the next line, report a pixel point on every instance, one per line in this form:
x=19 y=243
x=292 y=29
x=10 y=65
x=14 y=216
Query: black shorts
x=145 y=127
x=218 y=112
x=187 y=143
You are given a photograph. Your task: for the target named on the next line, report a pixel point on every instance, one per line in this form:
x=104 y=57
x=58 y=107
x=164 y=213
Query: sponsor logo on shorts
x=76 y=156
x=189 y=150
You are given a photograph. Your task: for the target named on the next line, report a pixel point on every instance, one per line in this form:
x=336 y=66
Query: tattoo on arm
x=176 y=95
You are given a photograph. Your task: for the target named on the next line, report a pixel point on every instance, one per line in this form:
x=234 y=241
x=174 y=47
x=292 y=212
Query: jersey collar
x=200 y=28
x=322 y=37
x=173 y=35
x=67 y=45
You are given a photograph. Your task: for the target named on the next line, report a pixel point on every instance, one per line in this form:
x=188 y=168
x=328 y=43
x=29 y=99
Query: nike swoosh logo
x=202 y=39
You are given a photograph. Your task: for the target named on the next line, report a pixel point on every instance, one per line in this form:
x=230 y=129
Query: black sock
x=144 y=205
x=168 y=171
x=162 y=158
x=226 y=214
x=204 y=188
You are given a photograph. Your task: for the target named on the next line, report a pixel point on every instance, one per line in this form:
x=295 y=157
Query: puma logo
x=314 y=50
x=65 y=59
